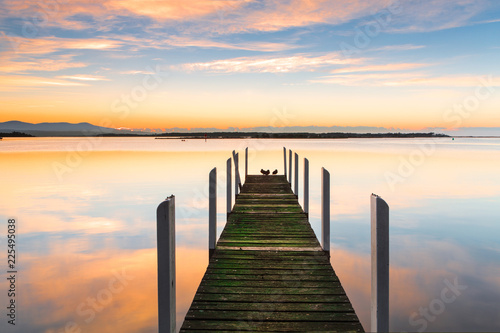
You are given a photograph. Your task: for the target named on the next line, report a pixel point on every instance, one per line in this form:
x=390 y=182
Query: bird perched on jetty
x=275 y=172
x=262 y=171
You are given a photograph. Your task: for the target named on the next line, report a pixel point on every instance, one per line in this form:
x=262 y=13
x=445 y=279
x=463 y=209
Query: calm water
x=85 y=211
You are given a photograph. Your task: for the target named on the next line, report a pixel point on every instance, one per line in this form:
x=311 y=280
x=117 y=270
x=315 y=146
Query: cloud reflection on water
x=101 y=218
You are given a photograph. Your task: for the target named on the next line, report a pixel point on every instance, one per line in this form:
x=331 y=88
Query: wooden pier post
x=212 y=211
x=290 y=166
x=246 y=163
x=229 y=197
x=296 y=183
x=380 y=264
x=325 y=210
x=237 y=180
x=165 y=243
x=306 y=185
x=284 y=160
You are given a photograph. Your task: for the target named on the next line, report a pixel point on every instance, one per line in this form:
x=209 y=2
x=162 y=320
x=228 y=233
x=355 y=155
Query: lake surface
x=85 y=211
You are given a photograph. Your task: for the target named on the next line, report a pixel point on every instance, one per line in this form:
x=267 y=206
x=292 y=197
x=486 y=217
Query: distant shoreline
x=247 y=135
x=296 y=135
x=235 y=135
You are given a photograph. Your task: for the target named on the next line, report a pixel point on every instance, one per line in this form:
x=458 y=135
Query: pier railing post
x=237 y=181
x=212 y=212
x=246 y=163
x=165 y=233
x=380 y=264
x=296 y=183
x=325 y=210
x=284 y=161
x=290 y=166
x=306 y=185
x=229 y=197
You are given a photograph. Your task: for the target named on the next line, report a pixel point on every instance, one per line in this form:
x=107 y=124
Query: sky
x=406 y=64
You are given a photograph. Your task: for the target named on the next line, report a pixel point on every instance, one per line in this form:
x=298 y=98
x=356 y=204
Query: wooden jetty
x=268 y=272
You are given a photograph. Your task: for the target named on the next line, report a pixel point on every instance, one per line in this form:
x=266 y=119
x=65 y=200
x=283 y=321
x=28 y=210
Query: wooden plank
x=272 y=315
x=282 y=307
x=268 y=273
x=222 y=298
x=300 y=272
x=217 y=275
x=259 y=324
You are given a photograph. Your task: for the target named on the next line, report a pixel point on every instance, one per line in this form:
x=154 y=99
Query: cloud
x=228 y=17
x=18 y=82
x=136 y=72
x=401 y=79
x=44 y=54
x=52 y=64
x=180 y=10
x=84 y=77
x=403 y=47
x=162 y=42
x=436 y=15
x=379 y=68
x=179 y=41
x=235 y=16
x=39 y=46
x=297 y=63
x=488 y=21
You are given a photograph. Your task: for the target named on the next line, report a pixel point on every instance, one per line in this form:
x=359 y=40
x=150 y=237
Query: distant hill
x=55 y=129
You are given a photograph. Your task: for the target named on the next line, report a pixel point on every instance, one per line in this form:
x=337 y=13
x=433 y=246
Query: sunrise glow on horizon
x=244 y=63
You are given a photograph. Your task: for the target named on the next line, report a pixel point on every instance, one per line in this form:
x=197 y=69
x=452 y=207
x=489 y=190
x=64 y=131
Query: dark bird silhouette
x=275 y=172
x=267 y=172
x=262 y=171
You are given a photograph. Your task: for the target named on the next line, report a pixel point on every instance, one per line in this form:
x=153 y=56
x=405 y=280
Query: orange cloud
x=279 y=15
x=40 y=46
x=84 y=77
x=173 y=9
x=232 y=16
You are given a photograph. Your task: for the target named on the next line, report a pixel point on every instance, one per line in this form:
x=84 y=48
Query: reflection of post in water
x=268 y=270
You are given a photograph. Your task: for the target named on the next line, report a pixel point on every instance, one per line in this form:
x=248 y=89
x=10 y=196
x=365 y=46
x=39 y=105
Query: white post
x=325 y=210
x=306 y=185
x=237 y=181
x=290 y=166
x=296 y=185
x=165 y=244
x=284 y=160
x=380 y=264
x=228 y=186
x=246 y=163
x=212 y=212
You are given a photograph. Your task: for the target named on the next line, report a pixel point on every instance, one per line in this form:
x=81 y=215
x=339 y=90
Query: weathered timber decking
x=268 y=272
